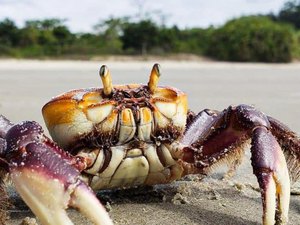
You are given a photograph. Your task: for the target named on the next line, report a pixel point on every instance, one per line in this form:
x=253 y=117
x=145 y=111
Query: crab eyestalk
x=106 y=80
x=154 y=77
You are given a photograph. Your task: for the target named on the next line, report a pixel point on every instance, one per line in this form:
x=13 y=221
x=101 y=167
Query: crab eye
x=154 y=76
x=106 y=80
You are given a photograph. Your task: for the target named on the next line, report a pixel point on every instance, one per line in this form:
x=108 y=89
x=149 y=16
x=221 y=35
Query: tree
x=168 y=38
x=9 y=33
x=29 y=36
x=290 y=13
x=47 y=24
x=49 y=36
x=112 y=27
x=140 y=37
x=109 y=32
x=63 y=35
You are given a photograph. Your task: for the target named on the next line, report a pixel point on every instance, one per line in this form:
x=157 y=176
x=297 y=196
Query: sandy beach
x=26 y=85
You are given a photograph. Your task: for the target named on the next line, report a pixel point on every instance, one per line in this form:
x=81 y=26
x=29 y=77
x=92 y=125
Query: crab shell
x=80 y=112
x=125 y=134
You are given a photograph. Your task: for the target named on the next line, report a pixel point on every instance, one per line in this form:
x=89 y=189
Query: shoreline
x=62 y=64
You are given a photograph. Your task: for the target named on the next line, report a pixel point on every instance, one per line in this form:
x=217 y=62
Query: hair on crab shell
x=4 y=203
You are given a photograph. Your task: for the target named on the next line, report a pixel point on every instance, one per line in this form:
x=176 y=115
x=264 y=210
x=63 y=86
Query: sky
x=82 y=15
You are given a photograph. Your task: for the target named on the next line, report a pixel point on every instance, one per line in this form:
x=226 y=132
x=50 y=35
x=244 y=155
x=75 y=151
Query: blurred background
x=49 y=47
x=235 y=30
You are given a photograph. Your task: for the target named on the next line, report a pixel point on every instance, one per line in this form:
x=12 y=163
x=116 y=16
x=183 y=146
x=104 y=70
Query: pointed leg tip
x=271 y=170
x=85 y=200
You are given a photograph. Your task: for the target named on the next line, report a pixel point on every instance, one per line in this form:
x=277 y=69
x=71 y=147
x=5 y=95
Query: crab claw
x=47 y=179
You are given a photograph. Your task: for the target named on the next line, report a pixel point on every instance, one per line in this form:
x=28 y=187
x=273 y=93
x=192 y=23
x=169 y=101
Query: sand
x=25 y=86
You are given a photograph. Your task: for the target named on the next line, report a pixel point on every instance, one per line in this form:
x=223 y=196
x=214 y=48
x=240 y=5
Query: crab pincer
x=47 y=178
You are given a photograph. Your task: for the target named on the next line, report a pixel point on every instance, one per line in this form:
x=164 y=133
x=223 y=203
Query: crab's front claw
x=47 y=179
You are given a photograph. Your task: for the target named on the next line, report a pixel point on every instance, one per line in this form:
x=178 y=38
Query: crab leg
x=89 y=205
x=271 y=171
x=221 y=139
x=47 y=178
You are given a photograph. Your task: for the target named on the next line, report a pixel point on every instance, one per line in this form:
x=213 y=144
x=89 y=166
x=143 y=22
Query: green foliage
x=140 y=37
x=296 y=46
x=290 y=13
x=147 y=37
x=9 y=33
x=36 y=39
x=109 y=32
x=193 y=40
x=252 y=38
x=168 y=39
x=28 y=36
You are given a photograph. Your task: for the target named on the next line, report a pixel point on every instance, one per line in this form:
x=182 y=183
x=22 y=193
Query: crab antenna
x=106 y=80
x=154 y=76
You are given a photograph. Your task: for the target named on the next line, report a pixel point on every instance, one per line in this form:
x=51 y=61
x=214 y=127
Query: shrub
x=252 y=38
x=193 y=40
x=296 y=47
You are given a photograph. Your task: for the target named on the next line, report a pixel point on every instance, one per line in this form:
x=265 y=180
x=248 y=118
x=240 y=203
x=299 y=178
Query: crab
x=122 y=136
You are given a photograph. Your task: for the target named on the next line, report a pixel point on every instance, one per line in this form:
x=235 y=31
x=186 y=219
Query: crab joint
x=154 y=76
x=106 y=80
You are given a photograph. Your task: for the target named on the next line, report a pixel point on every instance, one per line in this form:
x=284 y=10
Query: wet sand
x=25 y=86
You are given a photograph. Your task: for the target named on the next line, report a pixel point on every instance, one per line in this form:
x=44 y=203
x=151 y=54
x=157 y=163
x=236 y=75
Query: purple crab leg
x=269 y=166
x=47 y=179
x=215 y=138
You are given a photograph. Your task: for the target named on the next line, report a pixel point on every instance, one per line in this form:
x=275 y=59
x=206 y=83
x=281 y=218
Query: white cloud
x=82 y=15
